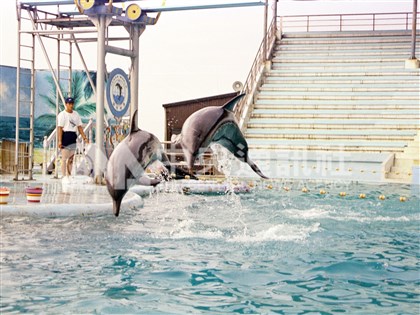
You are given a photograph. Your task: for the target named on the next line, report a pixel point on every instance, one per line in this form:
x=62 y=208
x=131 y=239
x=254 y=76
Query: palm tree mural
x=88 y=90
x=80 y=94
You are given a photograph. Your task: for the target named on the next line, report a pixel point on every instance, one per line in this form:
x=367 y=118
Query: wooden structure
x=175 y=116
x=8 y=148
x=176 y=113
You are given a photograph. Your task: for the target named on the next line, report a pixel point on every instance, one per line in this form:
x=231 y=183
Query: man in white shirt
x=69 y=123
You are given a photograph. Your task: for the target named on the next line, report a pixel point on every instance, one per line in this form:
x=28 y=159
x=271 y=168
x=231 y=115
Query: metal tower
x=69 y=23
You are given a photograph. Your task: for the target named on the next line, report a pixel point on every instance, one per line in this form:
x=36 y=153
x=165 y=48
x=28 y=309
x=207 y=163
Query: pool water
x=270 y=251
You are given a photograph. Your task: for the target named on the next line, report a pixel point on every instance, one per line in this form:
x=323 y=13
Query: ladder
x=30 y=25
x=25 y=103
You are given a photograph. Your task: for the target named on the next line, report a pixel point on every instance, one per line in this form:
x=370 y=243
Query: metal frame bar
x=58 y=32
x=204 y=7
x=32 y=112
x=17 y=135
x=19 y=163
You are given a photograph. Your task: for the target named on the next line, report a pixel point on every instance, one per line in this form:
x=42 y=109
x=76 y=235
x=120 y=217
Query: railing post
x=373 y=22
x=413 y=62
x=265 y=31
x=44 y=156
x=275 y=16
x=90 y=134
x=280 y=30
x=413 y=31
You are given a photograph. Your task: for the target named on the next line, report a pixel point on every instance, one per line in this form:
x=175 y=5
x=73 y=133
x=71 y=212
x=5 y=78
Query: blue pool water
x=271 y=251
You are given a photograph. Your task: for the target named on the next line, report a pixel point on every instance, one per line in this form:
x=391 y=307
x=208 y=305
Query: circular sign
x=118 y=92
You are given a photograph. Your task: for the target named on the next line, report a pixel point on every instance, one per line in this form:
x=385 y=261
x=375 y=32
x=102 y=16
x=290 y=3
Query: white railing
x=206 y=164
x=242 y=109
x=51 y=150
x=347 y=22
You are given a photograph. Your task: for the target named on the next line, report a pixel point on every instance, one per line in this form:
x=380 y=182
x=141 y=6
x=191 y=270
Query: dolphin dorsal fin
x=134 y=123
x=231 y=104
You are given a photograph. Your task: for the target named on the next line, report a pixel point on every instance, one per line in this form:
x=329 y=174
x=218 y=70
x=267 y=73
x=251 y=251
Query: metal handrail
x=254 y=75
x=206 y=162
x=50 y=146
x=347 y=22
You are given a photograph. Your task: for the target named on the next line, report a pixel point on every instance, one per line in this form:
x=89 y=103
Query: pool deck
x=71 y=196
x=79 y=196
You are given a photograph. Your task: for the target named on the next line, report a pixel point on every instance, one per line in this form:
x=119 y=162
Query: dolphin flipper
x=241 y=154
x=230 y=136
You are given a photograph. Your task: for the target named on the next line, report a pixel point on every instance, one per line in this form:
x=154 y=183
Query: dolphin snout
x=116 y=206
x=117 y=196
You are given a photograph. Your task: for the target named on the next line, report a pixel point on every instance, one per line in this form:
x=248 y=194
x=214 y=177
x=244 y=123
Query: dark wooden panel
x=177 y=113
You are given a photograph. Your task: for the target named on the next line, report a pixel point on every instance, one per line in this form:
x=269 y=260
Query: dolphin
x=214 y=124
x=128 y=161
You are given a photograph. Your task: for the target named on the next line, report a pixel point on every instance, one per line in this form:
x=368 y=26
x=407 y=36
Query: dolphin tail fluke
x=255 y=168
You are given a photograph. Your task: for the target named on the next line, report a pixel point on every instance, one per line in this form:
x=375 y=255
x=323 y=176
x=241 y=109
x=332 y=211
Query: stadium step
x=339 y=92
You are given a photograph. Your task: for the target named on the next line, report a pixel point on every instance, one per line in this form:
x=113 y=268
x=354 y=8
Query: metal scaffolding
x=69 y=23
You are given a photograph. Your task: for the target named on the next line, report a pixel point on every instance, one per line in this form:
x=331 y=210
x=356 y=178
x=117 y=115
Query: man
x=69 y=123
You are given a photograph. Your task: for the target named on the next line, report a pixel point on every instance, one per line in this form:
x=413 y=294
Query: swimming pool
x=270 y=251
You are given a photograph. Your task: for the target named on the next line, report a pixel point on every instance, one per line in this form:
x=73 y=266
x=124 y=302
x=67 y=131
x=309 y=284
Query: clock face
x=118 y=92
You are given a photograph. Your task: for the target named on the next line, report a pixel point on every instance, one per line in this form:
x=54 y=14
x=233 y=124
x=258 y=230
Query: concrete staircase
x=342 y=102
x=405 y=161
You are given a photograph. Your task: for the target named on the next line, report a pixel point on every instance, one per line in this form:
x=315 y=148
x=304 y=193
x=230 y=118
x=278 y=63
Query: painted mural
x=45 y=101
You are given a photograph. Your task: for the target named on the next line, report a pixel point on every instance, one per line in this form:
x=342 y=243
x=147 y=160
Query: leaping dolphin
x=214 y=124
x=129 y=160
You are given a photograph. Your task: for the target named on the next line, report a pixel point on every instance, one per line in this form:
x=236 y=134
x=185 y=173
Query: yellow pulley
x=86 y=4
x=133 y=12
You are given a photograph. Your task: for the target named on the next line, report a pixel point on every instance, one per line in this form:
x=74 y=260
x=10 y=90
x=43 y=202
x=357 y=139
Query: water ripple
x=265 y=252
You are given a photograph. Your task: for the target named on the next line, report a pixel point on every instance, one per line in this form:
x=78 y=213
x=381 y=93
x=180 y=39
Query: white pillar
x=134 y=71
x=100 y=99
